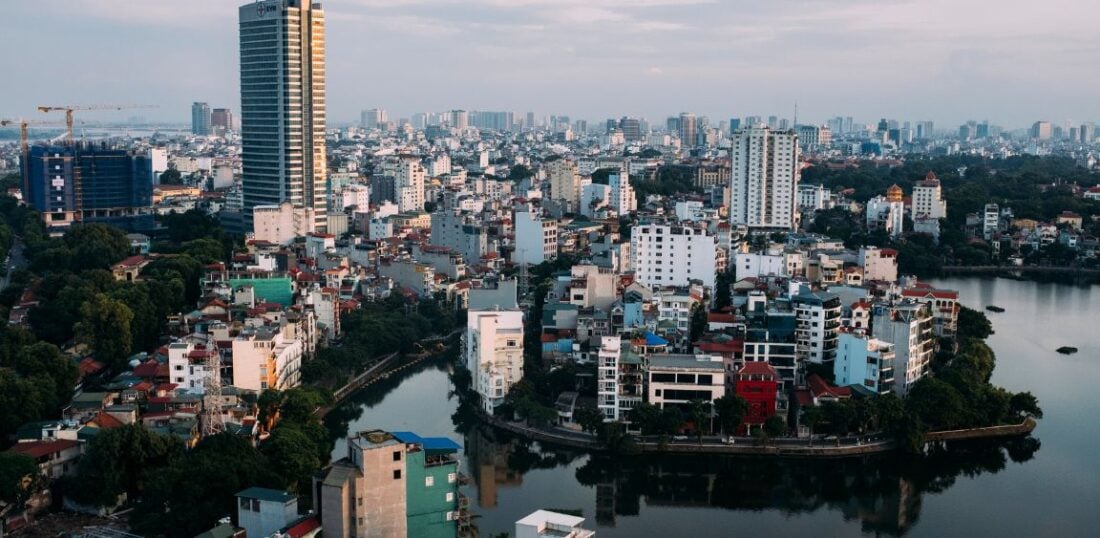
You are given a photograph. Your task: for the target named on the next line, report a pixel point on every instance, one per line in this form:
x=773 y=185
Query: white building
x=862 y=360
x=280 y=224
x=689 y=210
x=565 y=183
x=494 y=353
x=547 y=524
x=813 y=198
x=622 y=194
x=265 y=359
x=607 y=381
x=681 y=379
x=264 y=512
x=409 y=184
x=594 y=196
x=672 y=255
x=887 y=212
x=908 y=326
x=536 y=237
x=765 y=171
x=357 y=195
x=991 y=221
x=879 y=264
x=928 y=199
x=187 y=366
x=817 y=325
x=772 y=263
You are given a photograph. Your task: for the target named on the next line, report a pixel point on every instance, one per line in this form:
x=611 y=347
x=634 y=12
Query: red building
x=758 y=384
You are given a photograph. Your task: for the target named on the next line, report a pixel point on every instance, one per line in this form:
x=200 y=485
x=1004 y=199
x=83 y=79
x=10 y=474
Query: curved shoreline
x=782 y=447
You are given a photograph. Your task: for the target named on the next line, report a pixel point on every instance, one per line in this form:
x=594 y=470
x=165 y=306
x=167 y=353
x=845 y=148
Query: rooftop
x=266 y=494
x=683 y=362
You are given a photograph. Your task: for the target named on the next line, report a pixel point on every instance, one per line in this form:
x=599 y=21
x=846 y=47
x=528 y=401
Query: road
x=15 y=261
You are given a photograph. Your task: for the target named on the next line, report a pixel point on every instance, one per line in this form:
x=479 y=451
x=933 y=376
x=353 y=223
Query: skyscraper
x=283 y=106
x=221 y=120
x=460 y=119
x=764 y=178
x=687 y=129
x=200 y=119
x=372 y=118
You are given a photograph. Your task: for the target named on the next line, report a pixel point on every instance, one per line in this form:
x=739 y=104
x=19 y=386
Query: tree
x=519 y=173
x=973 y=325
x=936 y=403
x=120 y=461
x=700 y=416
x=698 y=322
x=589 y=418
x=1025 y=404
x=96 y=246
x=171 y=176
x=775 y=426
x=17 y=475
x=105 y=326
x=812 y=416
x=646 y=417
x=730 y=410
x=293 y=454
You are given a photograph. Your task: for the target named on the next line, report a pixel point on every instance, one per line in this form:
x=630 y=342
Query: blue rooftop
x=654 y=340
x=442 y=444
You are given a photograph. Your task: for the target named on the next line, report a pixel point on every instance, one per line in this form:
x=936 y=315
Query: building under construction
x=90 y=183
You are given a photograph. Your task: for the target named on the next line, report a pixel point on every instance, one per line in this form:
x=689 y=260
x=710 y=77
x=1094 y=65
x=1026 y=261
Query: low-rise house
x=55 y=458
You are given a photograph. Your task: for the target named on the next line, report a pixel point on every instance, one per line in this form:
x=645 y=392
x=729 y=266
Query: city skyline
x=899 y=59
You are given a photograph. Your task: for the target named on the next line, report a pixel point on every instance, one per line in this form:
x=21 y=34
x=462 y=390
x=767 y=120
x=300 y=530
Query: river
x=1015 y=488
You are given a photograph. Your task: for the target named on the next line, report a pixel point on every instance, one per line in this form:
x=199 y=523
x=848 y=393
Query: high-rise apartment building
x=688 y=130
x=459 y=119
x=1042 y=130
x=928 y=198
x=282 y=44
x=221 y=120
x=764 y=178
x=200 y=119
x=908 y=326
x=672 y=255
x=631 y=128
x=536 y=237
x=373 y=118
x=565 y=183
x=622 y=194
x=494 y=353
x=409 y=185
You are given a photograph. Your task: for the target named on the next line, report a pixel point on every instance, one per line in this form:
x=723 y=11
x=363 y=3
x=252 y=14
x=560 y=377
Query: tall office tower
x=410 y=184
x=1086 y=133
x=773 y=122
x=529 y=123
x=459 y=119
x=420 y=120
x=200 y=119
x=631 y=128
x=610 y=125
x=688 y=129
x=283 y=106
x=924 y=129
x=221 y=120
x=764 y=178
x=372 y=118
x=672 y=125
x=1042 y=130
x=735 y=124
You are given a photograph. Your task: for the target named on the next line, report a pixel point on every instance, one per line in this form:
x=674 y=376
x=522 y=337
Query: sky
x=1009 y=61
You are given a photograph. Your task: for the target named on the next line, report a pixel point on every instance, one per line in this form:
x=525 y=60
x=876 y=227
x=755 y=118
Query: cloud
x=655 y=71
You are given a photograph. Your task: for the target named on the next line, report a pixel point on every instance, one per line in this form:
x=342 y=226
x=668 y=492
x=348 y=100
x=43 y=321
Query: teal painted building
x=271 y=290
x=431 y=487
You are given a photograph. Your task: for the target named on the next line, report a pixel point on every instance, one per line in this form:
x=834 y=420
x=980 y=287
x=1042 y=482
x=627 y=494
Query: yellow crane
x=69 y=109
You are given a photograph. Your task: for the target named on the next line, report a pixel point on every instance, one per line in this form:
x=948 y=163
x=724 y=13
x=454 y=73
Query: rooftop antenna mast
x=213 y=422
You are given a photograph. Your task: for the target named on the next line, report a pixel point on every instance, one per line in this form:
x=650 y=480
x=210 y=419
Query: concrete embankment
x=747 y=446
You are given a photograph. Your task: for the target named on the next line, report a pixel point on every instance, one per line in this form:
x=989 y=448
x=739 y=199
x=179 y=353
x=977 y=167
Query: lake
x=1048 y=484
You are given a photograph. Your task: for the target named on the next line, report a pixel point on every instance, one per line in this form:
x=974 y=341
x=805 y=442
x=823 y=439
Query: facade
x=409 y=184
x=607 y=385
x=536 y=238
x=991 y=221
x=765 y=171
x=565 y=183
x=866 y=361
x=887 y=212
x=264 y=512
x=494 y=353
x=390 y=484
x=748 y=264
x=281 y=224
x=265 y=359
x=817 y=325
x=688 y=130
x=672 y=255
x=68 y=184
x=758 y=384
x=879 y=264
x=221 y=120
x=622 y=194
x=928 y=199
x=200 y=119
x=813 y=198
x=282 y=63
x=944 y=305
x=460 y=232
x=908 y=326
x=680 y=379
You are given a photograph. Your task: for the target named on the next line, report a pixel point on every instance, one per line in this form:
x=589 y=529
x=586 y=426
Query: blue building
x=82 y=183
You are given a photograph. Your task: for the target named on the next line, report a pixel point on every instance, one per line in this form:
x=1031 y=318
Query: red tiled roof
x=303 y=528
x=132 y=261
x=37 y=449
x=107 y=422
x=719 y=317
x=89 y=366
x=757 y=368
x=819 y=387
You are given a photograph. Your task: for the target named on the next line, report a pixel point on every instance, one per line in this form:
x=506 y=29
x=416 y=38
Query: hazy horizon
x=1011 y=62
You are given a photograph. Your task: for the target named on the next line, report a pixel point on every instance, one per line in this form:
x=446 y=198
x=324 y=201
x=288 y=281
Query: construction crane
x=69 y=109
x=24 y=146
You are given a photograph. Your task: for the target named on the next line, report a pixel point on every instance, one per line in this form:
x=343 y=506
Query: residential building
x=460 y=232
x=494 y=353
x=221 y=120
x=536 y=237
x=281 y=224
x=928 y=199
x=688 y=130
x=758 y=383
x=681 y=379
x=879 y=264
x=765 y=171
x=264 y=512
x=372 y=118
x=817 y=324
x=772 y=263
x=409 y=185
x=673 y=255
x=264 y=359
x=391 y=484
x=863 y=360
x=82 y=183
x=710 y=176
x=547 y=524
x=565 y=183
x=887 y=212
x=622 y=194
x=991 y=221
x=908 y=326
x=813 y=198
x=607 y=380
x=944 y=305
x=282 y=67
x=55 y=457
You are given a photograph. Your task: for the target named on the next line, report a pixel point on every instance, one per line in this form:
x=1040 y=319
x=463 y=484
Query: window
x=397 y=474
x=450 y=516
x=429 y=481
x=451 y=478
x=450 y=497
x=396 y=455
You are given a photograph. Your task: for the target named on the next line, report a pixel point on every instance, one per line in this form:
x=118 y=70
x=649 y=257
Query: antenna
x=795 y=123
x=212 y=421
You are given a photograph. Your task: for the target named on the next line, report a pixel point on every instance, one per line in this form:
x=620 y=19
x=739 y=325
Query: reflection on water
x=624 y=496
